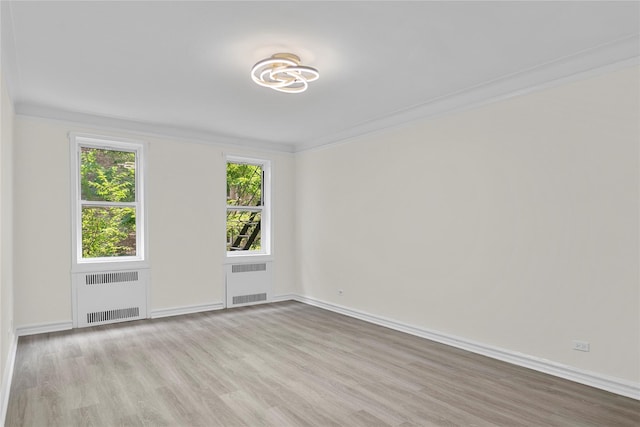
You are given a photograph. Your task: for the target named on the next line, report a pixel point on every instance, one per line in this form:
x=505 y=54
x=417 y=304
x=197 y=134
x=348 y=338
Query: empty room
x=319 y=213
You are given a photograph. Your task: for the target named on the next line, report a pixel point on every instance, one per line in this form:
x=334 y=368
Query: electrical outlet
x=581 y=345
x=339 y=291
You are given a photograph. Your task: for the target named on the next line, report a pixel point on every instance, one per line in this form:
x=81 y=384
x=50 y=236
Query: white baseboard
x=604 y=382
x=190 y=309
x=43 y=328
x=593 y=379
x=284 y=297
x=7 y=377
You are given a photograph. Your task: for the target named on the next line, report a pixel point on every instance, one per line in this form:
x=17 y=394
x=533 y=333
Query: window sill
x=108 y=265
x=247 y=258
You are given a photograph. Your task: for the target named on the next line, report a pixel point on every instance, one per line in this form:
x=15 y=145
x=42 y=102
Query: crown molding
x=608 y=57
x=146 y=128
x=605 y=58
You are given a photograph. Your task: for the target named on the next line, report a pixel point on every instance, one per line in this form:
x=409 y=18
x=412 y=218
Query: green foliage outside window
x=108 y=176
x=244 y=184
x=244 y=189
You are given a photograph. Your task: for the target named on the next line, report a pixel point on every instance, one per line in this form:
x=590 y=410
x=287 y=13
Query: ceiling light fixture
x=283 y=72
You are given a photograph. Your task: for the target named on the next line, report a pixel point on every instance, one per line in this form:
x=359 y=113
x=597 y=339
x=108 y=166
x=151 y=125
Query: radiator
x=109 y=297
x=248 y=284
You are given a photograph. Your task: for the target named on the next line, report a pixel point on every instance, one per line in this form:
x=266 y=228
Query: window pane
x=107 y=175
x=244 y=184
x=108 y=232
x=243 y=230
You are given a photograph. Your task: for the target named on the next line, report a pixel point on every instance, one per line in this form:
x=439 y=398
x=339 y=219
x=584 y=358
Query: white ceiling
x=182 y=68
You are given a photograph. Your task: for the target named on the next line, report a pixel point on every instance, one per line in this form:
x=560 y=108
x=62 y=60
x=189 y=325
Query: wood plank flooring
x=285 y=364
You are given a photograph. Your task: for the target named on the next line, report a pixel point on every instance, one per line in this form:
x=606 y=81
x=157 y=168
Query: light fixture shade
x=283 y=72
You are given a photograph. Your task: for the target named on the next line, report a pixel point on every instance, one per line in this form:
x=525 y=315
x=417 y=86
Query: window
x=108 y=210
x=247 y=206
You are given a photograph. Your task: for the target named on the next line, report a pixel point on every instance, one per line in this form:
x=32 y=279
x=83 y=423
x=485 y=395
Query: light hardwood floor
x=285 y=364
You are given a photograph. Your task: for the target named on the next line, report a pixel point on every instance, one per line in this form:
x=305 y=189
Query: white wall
x=513 y=225
x=6 y=232
x=186 y=206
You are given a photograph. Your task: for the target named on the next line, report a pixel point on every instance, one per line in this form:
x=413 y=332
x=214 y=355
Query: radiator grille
x=122 y=313
x=114 y=277
x=245 y=299
x=245 y=268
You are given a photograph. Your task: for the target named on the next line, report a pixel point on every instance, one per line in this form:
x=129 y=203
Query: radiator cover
x=109 y=297
x=248 y=283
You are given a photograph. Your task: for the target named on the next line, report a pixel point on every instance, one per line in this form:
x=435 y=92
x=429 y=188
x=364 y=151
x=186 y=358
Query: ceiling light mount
x=283 y=72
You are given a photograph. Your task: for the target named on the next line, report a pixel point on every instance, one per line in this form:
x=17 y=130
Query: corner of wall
x=7 y=377
x=8 y=338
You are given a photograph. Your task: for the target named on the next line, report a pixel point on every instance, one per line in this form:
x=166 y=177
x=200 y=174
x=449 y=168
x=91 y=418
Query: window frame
x=140 y=260
x=265 y=209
